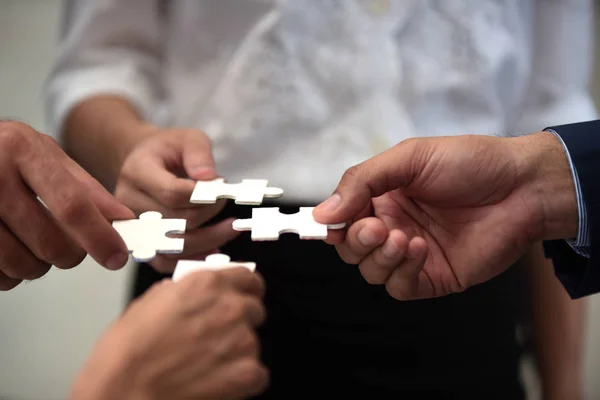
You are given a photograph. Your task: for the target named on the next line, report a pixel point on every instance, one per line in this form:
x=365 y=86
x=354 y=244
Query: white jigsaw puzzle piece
x=147 y=236
x=248 y=192
x=213 y=262
x=268 y=223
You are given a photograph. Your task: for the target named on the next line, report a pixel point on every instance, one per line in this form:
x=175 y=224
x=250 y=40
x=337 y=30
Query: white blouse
x=297 y=91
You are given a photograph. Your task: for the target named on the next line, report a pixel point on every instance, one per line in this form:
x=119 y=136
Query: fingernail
x=389 y=249
x=331 y=203
x=117 y=261
x=366 y=237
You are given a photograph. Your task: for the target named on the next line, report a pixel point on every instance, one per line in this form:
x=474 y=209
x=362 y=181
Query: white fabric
x=297 y=91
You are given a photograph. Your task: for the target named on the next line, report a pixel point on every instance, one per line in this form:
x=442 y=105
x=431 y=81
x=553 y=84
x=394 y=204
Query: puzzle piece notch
x=247 y=192
x=213 y=262
x=147 y=236
x=268 y=223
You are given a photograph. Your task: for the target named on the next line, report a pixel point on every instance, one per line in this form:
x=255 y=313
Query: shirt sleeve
x=106 y=47
x=561 y=67
x=582 y=242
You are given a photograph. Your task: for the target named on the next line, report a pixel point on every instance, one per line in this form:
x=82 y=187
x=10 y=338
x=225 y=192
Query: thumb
x=395 y=168
x=198 y=161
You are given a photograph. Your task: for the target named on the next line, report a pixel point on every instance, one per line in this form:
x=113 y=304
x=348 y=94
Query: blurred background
x=48 y=327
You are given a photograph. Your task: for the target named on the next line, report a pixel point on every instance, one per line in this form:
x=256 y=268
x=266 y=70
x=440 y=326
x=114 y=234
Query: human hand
x=75 y=221
x=191 y=339
x=433 y=216
x=154 y=177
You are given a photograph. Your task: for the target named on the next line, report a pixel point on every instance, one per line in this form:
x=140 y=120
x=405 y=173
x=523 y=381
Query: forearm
x=109 y=372
x=558 y=325
x=547 y=174
x=100 y=132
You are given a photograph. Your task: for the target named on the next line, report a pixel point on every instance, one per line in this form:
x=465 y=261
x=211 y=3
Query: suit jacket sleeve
x=581 y=275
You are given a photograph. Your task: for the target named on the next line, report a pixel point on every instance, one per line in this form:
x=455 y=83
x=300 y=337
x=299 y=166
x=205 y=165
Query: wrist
x=100 y=133
x=550 y=180
x=109 y=373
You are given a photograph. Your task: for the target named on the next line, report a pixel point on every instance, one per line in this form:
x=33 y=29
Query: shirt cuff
x=582 y=242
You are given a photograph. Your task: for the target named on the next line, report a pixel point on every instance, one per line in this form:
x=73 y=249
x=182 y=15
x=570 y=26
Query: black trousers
x=329 y=334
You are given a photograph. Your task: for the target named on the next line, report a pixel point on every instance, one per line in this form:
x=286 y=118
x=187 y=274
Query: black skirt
x=329 y=334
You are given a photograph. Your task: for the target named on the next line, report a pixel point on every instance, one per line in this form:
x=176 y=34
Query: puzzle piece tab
x=214 y=262
x=267 y=223
x=146 y=236
x=248 y=192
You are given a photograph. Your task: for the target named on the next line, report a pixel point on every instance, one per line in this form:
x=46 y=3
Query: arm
x=581 y=275
x=558 y=93
x=557 y=327
x=105 y=81
x=102 y=97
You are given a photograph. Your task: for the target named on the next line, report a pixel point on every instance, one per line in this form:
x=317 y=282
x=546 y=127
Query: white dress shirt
x=297 y=91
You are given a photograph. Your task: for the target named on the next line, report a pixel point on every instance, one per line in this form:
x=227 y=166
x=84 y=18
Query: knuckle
x=232 y=309
x=347 y=256
x=395 y=291
x=74 y=209
x=36 y=271
x=249 y=343
x=252 y=375
x=207 y=282
x=210 y=279
x=16 y=137
x=370 y=276
x=171 y=196
x=70 y=258
x=163 y=265
x=352 y=173
x=19 y=268
x=7 y=284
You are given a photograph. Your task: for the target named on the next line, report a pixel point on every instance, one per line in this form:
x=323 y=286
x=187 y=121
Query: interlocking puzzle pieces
x=213 y=262
x=248 y=192
x=147 y=236
x=267 y=223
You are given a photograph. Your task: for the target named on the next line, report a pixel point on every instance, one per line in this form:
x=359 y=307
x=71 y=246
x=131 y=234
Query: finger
x=198 y=161
x=245 y=342
x=408 y=281
x=243 y=280
x=377 y=267
x=74 y=210
x=154 y=176
x=209 y=237
x=106 y=203
x=166 y=263
x=338 y=236
x=8 y=283
x=16 y=261
x=198 y=243
x=392 y=169
x=47 y=241
x=362 y=238
x=241 y=379
x=255 y=310
x=195 y=256
x=140 y=202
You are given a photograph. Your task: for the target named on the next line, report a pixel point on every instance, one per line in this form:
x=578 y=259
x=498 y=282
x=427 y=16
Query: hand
x=434 y=216
x=75 y=221
x=191 y=339
x=154 y=178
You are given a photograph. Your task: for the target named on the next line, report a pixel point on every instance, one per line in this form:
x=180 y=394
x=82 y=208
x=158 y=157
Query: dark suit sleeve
x=581 y=275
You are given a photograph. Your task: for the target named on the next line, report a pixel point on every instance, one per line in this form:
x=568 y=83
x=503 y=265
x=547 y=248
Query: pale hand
x=191 y=339
x=155 y=177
